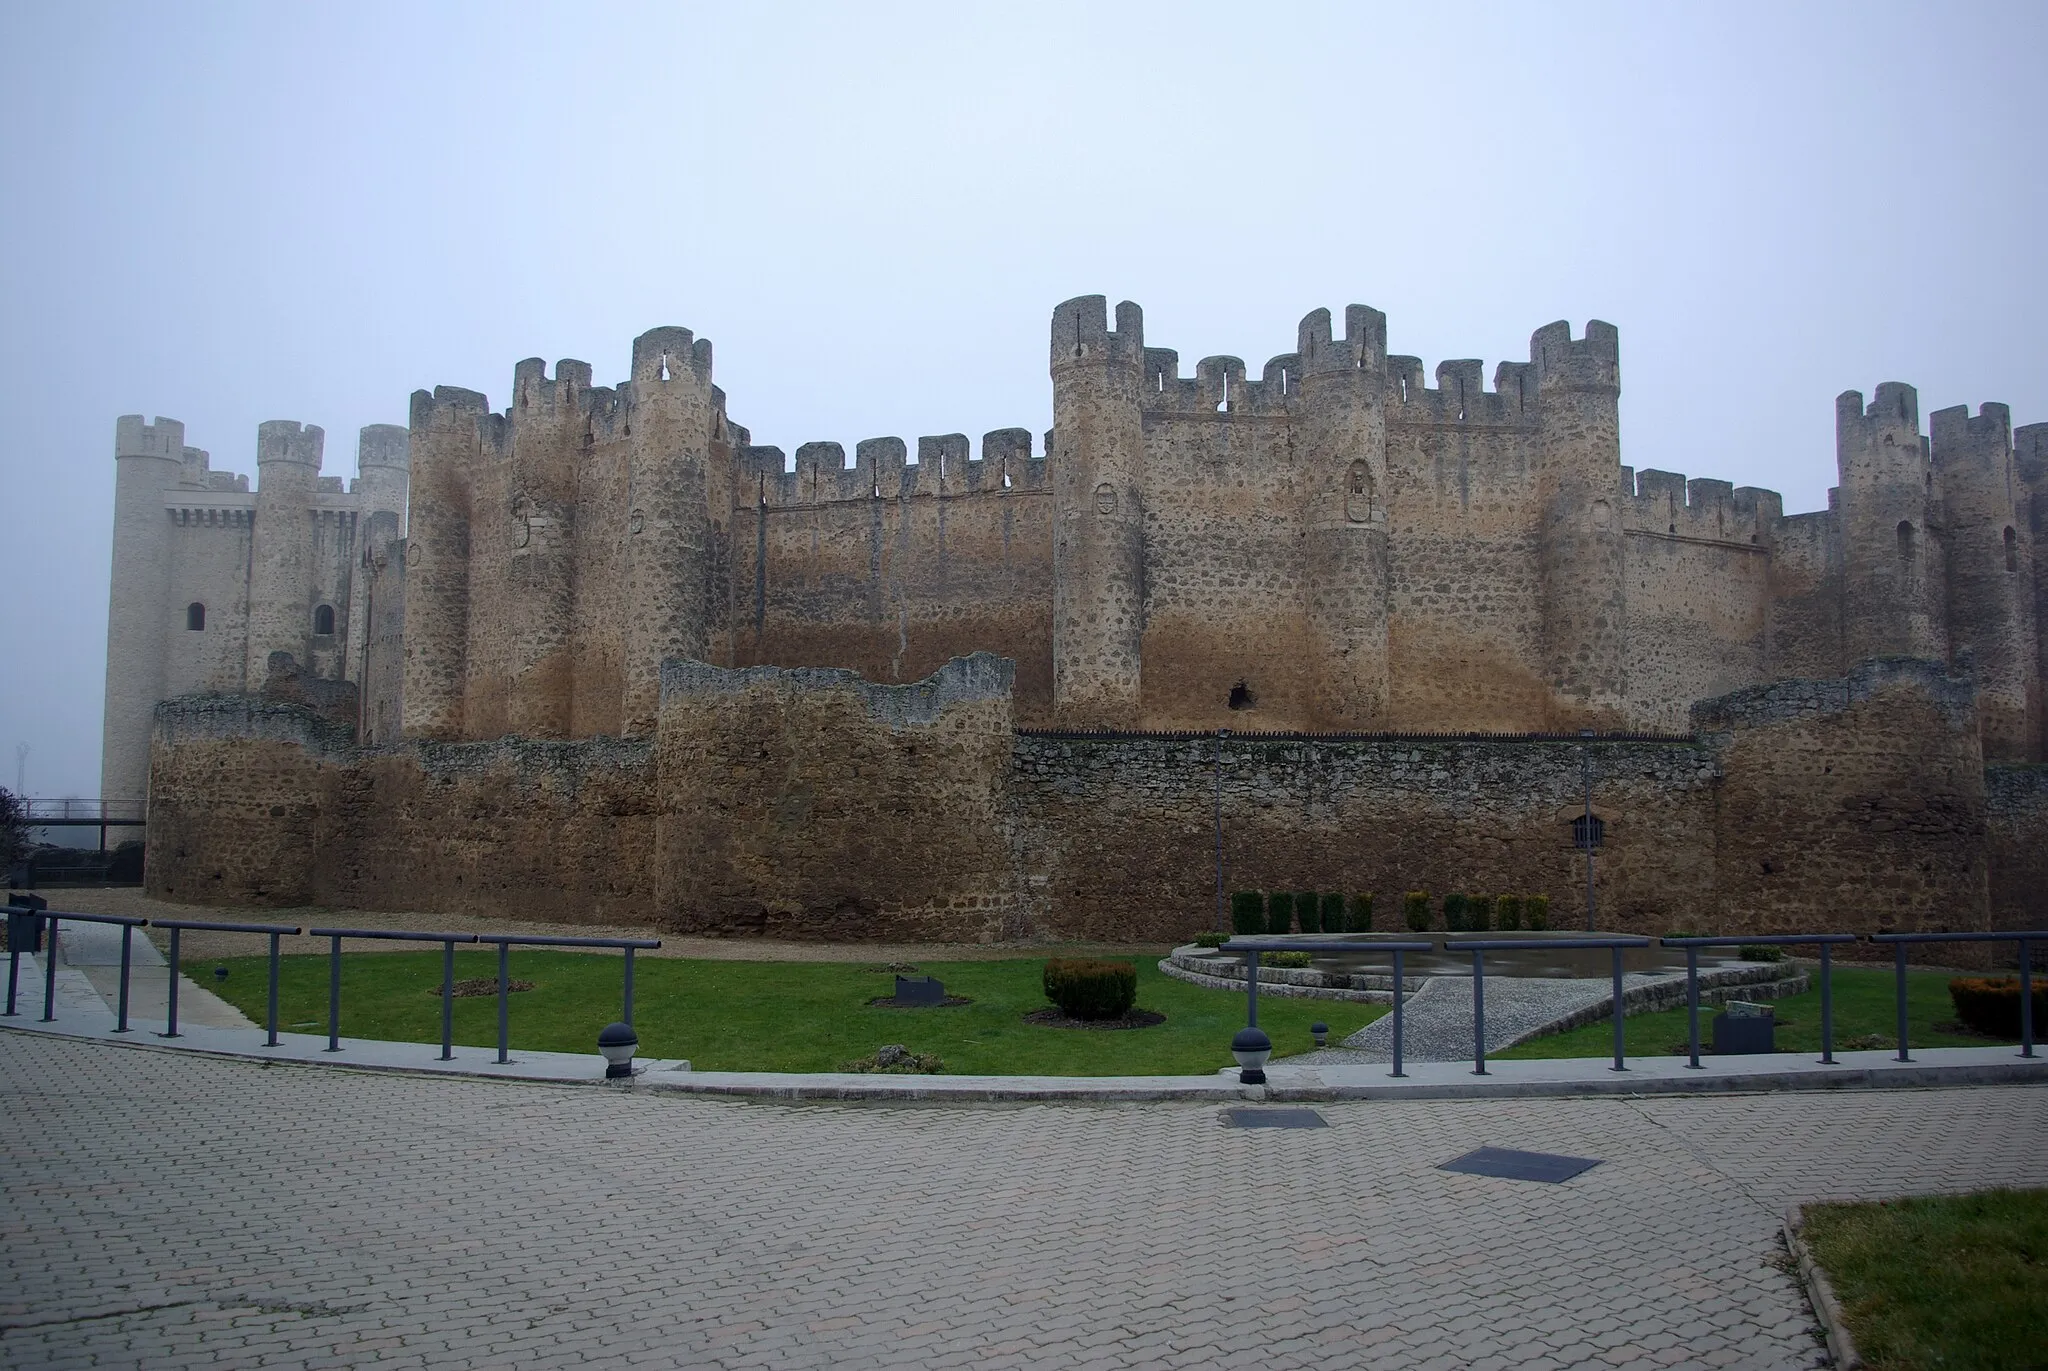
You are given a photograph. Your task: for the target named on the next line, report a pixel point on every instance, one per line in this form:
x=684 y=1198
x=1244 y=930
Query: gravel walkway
x=1437 y=1019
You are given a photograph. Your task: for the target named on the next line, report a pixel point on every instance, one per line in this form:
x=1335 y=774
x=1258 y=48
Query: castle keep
x=588 y=617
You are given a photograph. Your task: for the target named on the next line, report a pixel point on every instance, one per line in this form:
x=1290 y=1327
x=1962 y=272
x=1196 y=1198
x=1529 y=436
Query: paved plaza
x=170 y=1209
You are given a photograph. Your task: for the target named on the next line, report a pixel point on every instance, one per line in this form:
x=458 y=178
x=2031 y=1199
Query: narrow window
x=1588 y=831
x=195 y=617
x=1905 y=540
x=2012 y=551
x=323 y=619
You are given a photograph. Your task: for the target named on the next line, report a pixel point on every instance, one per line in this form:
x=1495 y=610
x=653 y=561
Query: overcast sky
x=230 y=213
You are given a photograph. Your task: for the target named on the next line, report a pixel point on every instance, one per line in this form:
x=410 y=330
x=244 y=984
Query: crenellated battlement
x=383 y=445
x=1563 y=362
x=2030 y=454
x=1982 y=440
x=1703 y=509
x=881 y=469
x=1081 y=335
x=1881 y=440
x=134 y=438
x=447 y=409
x=1460 y=395
x=532 y=389
x=286 y=440
x=669 y=354
x=1362 y=348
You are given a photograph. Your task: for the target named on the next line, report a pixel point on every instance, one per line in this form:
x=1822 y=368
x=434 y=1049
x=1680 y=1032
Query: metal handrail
x=447 y=941
x=505 y=942
x=1901 y=941
x=127 y=923
x=1480 y=947
x=1692 y=948
x=1252 y=947
x=178 y=927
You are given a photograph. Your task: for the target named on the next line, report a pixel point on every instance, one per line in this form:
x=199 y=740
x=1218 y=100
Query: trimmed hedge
x=1479 y=914
x=1536 y=913
x=1359 y=919
x=1294 y=960
x=1090 y=989
x=1508 y=913
x=1280 y=912
x=1992 y=1006
x=1415 y=910
x=1308 y=911
x=1248 y=912
x=1456 y=911
x=1333 y=913
x=1211 y=939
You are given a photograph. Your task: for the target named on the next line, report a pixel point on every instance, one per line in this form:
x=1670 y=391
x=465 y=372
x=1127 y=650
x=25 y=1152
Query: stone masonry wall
x=2016 y=819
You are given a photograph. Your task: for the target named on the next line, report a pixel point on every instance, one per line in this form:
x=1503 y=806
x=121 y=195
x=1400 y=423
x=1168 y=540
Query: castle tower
x=1893 y=586
x=281 y=557
x=443 y=447
x=148 y=460
x=548 y=428
x=1990 y=574
x=1578 y=386
x=1098 y=551
x=2030 y=465
x=668 y=520
x=383 y=457
x=1341 y=428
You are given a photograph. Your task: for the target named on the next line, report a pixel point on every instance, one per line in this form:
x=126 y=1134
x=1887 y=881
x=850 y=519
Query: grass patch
x=1865 y=1006
x=1958 y=1282
x=777 y=1016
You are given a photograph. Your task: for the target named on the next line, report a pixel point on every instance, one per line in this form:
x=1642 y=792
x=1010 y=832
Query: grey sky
x=230 y=213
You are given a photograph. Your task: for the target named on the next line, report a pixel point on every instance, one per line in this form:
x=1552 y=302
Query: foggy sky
x=229 y=213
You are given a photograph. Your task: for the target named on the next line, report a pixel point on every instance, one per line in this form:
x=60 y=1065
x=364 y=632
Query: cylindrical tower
x=443 y=447
x=547 y=439
x=668 y=517
x=1340 y=423
x=148 y=459
x=383 y=470
x=1578 y=388
x=281 y=554
x=382 y=458
x=1990 y=574
x=1098 y=551
x=1893 y=584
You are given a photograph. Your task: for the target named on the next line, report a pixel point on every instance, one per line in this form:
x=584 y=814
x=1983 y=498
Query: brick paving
x=171 y=1210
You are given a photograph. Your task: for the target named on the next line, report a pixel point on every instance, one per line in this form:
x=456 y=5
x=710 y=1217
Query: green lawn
x=776 y=1016
x=1865 y=1006
x=1956 y=1282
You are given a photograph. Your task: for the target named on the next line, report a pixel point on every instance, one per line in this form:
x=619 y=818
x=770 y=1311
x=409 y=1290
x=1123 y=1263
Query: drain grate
x=1273 y=1118
x=1510 y=1165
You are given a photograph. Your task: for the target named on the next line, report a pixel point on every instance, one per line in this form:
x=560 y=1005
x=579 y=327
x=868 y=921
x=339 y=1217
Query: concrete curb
x=1820 y=1292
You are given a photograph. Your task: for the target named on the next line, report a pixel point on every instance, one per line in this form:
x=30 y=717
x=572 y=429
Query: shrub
x=1280 y=912
x=1508 y=912
x=1333 y=913
x=1457 y=909
x=1992 y=1007
x=1292 y=960
x=1090 y=989
x=1479 y=914
x=1211 y=939
x=1760 y=952
x=1536 y=912
x=1248 y=912
x=1308 y=911
x=1415 y=910
x=1359 y=920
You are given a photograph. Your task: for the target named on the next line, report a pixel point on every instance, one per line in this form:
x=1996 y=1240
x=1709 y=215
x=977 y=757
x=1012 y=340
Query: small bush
x=1415 y=910
x=1992 y=1007
x=1211 y=939
x=1333 y=913
x=898 y=1060
x=1293 y=960
x=1248 y=912
x=1536 y=912
x=1359 y=920
x=1479 y=914
x=1760 y=952
x=1091 y=989
x=1508 y=912
x=1280 y=912
x=1457 y=909
x=1308 y=911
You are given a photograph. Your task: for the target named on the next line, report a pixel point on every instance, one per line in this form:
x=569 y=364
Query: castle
x=602 y=583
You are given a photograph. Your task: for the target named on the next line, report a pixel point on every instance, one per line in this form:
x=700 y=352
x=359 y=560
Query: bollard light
x=220 y=973
x=1321 y=1032
x=617 y=1042
x=1251 y=1047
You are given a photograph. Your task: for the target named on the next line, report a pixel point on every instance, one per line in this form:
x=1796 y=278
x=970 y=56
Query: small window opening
x=323 y=619
x=1588 y=831
x=2012 y=551
x=1224 y=403
x=195 y=617
x=664 y=366
x=1905 y=540
x=1241 y=696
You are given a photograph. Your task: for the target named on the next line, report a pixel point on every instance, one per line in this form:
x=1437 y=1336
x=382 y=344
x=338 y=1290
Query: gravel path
x=1437 y=1019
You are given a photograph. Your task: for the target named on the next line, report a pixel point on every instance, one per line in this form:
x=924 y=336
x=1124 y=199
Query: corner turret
x=148 y=460
x=281 y=555
x=1991 y=620
x=1893 y=577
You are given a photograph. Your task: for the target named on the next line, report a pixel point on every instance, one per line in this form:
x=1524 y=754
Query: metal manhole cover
x=1273 y=1118
x=1510 y=1165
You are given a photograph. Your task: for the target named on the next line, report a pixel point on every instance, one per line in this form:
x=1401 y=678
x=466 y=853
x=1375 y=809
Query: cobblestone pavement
x=167 y=1210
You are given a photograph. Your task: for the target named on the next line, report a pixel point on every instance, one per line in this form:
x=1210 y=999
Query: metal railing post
x=1827 y=1004
x=334 y=994
x=2026 y=1000
x=448 y=1001
x=1620 y=1011
x=504 y=991
x=13 y=965
x=1478 y=1014
x=1899 y=949
x=1400 y=993
x=171 y=1021
x=1251 y=989
x=629 y=988
x=1692 y=1006
x=50 y=973
x=270 y=1015
x=121 y=1013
